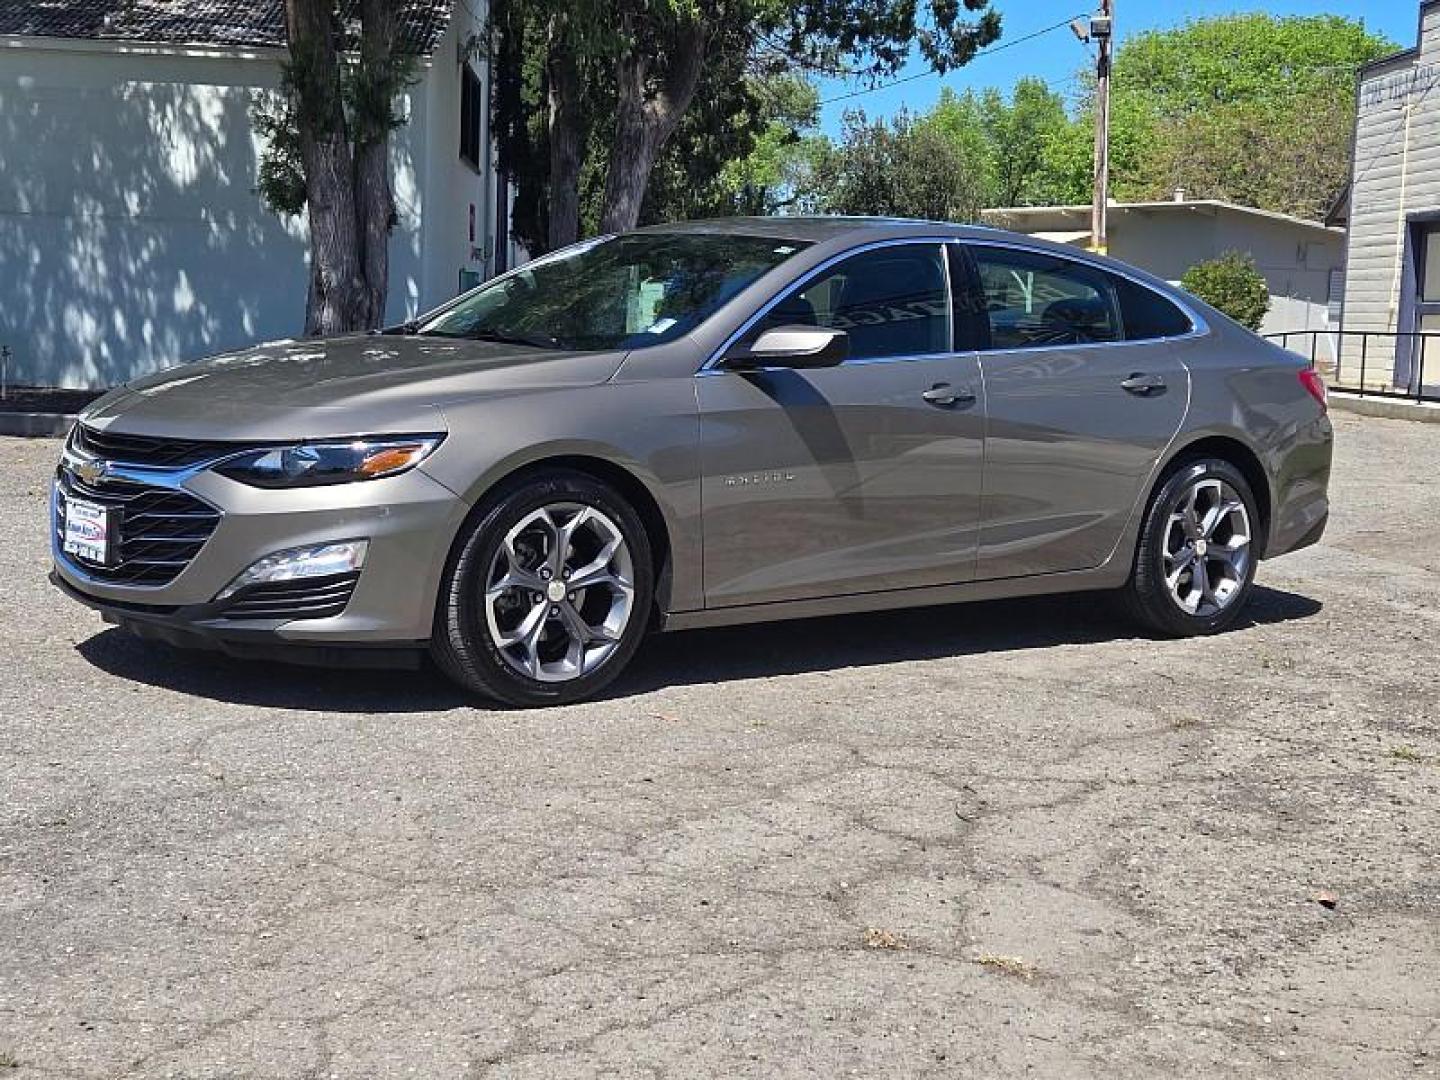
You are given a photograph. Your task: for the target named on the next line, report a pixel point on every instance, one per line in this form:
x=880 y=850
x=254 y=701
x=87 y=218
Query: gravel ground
x=998 y=840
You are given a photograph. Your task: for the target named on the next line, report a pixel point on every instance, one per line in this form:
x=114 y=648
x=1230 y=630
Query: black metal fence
x=1371 y=363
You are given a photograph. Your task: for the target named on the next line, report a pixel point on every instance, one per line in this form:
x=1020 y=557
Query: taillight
x=1311 y=380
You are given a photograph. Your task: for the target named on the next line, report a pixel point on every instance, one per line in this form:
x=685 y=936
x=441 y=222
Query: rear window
x=1036 y=300
x=1146 y=314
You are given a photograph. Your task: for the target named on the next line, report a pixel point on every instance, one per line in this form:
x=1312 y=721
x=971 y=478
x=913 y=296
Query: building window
x=472 y=116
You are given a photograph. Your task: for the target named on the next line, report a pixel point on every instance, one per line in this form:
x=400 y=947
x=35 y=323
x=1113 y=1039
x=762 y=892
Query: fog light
x=317 y=560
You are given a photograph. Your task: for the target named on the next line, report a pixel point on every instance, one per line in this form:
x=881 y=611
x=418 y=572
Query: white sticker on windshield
x=785 y=250
x=660 y=327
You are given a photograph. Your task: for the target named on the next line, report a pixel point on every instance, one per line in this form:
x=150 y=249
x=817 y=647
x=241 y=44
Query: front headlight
x=312 y=464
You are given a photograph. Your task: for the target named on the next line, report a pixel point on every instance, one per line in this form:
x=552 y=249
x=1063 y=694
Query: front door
x=848 y=479
x=1417 y=362
x=1084 y=391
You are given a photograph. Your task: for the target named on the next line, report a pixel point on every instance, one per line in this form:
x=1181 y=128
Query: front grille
x=304 y=598
x=160 y=530
x=148 y=449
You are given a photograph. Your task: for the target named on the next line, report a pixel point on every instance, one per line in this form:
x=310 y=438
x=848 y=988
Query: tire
x=1162 y=594
x=497 y=631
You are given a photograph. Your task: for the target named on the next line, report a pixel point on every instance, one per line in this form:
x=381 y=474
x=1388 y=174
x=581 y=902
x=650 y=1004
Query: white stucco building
x=1302 y=260
x=131 y=236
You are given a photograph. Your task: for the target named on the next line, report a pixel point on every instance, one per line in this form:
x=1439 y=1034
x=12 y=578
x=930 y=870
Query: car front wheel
x=1199 y=544
x=548 y=594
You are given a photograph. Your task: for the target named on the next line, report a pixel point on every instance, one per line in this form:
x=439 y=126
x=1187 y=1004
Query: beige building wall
x=1396 y=181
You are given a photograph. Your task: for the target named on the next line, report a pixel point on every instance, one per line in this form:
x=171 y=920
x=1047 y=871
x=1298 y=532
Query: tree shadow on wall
x=131 y=238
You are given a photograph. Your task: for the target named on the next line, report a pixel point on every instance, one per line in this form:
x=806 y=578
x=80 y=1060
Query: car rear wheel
x=1199 y=544
x=548 y=594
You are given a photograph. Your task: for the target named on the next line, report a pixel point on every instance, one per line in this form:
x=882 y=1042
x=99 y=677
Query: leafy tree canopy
x=1254 y=109
x=1251 y=58
x=616 y=83
x=901 y=168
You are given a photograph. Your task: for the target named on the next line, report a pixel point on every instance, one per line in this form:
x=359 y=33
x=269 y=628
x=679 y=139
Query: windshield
x=623 y=292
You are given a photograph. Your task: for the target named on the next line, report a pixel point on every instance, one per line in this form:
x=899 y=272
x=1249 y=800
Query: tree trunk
x=312 y=297
x=336 y=300
x=334 y=247
x=644 y=122
x=374 y=199
x=375 y=212
x=566 y=138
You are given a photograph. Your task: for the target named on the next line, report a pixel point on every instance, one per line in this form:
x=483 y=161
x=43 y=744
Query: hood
x=359 y=384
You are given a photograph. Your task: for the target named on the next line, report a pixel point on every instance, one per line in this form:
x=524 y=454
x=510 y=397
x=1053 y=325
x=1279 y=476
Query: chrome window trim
x=1198 y=326
x=711 y=366
x=949 y=301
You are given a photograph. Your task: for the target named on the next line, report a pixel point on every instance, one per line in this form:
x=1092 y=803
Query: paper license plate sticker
x=87 y=531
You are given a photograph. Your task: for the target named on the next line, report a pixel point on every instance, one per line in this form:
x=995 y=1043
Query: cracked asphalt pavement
x=1001 y=840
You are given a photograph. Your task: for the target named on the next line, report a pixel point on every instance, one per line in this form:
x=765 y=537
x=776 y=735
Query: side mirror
x=791 y=347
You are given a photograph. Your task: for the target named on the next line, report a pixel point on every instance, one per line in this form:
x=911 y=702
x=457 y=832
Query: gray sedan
x=694 y=425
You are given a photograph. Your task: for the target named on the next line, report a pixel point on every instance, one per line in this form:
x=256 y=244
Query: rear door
x=855 y=478
x=1084 y=391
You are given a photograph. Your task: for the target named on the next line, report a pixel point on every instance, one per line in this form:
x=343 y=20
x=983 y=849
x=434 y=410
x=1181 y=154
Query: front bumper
x=199 y=627
x=409 y=520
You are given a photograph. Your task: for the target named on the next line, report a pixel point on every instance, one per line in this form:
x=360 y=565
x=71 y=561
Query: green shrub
x=1233 y=284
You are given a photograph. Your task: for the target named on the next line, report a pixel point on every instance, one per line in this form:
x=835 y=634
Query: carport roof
x=235 y=23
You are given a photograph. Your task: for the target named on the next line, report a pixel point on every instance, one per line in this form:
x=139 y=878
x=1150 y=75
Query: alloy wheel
x=1207 y=547
x=560 y=592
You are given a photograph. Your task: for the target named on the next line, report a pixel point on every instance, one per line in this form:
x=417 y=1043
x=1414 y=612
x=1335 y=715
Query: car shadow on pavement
x=698 y=656
x=932 y=633
x=224 y=678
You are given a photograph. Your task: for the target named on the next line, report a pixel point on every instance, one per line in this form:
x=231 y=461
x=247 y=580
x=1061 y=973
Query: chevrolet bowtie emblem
x=92 y=470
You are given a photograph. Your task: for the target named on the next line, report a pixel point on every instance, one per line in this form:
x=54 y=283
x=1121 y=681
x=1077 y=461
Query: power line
x=927 y=74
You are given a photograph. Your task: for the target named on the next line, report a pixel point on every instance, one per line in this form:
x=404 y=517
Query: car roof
x=840 y=232
x=831 y=232
x=822 y=228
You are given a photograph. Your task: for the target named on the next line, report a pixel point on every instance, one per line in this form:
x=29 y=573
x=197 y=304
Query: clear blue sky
x=1057 y=57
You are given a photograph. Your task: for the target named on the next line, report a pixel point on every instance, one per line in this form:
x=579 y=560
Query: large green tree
x=646 y=60
x=774 y=176
x=1254 y=108
x=900 y=167
x=970 y=151
x=1021 y=132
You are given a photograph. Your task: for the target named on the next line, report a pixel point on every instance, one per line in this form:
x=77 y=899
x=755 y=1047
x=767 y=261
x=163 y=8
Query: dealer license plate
x=89 y=531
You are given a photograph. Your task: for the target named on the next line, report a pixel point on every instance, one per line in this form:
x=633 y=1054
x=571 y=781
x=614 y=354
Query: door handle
x=1140 y=383
x=945 y=394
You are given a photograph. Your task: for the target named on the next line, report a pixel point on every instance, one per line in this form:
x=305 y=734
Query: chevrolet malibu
x=693 y=425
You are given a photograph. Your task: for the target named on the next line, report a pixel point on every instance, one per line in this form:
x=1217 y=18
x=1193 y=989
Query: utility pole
x=1102 y=31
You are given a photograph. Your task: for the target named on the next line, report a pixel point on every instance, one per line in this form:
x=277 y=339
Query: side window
x=472 y=109
x=1034 y=301
x=891 y=301
x=1146 y=314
